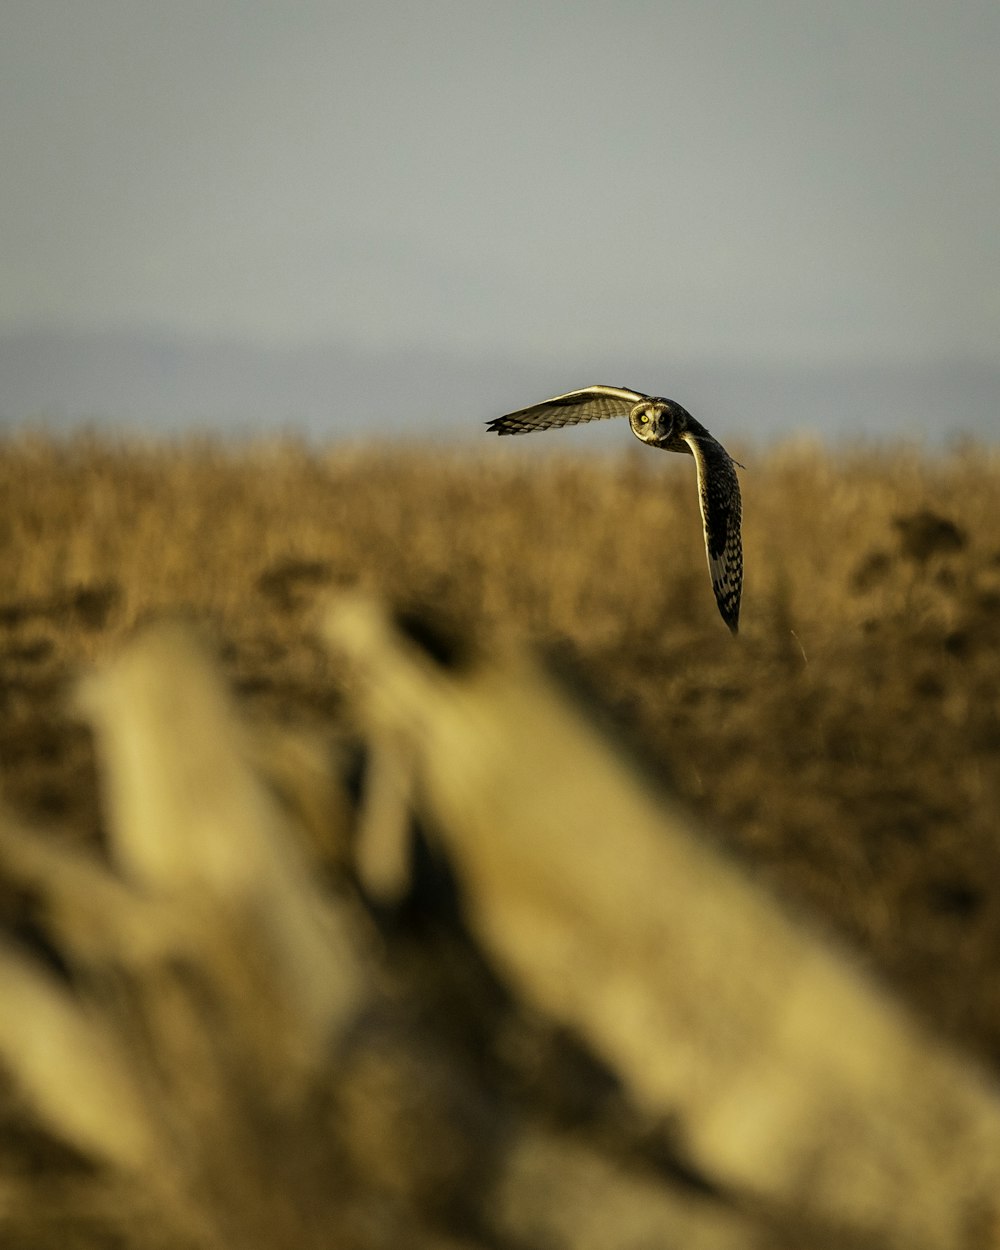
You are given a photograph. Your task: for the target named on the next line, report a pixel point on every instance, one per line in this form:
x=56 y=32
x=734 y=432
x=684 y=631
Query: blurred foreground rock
x=241 y=1040
x=796 y=1082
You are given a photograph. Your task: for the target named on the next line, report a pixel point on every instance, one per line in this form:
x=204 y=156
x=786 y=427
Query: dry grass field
x=845 y=747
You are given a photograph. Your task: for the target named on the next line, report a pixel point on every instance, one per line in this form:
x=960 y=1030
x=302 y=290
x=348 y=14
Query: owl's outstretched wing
x=593 y=403
x=721 y=512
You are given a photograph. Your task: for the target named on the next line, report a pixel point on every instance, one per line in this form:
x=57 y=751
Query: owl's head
x=658 y=421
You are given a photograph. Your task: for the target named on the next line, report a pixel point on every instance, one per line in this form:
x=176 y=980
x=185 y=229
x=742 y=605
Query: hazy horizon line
x=171 y=379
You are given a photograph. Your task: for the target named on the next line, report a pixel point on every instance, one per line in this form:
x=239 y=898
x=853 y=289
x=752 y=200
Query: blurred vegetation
x=848 y=742
x=846 y=746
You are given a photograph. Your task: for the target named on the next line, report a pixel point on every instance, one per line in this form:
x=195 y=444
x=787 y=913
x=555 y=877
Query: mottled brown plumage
x=665 y=424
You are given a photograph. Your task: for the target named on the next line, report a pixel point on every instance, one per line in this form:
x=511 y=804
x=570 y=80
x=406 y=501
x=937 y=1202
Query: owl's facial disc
x=650 y=422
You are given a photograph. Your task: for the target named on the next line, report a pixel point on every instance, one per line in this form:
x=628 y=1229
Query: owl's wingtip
x=727 y=600
x=730 y=614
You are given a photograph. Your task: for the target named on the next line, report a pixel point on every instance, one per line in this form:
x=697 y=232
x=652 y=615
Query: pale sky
x=774 y=181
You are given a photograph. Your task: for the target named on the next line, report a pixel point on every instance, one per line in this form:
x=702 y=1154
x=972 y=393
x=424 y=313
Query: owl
x=665 y=424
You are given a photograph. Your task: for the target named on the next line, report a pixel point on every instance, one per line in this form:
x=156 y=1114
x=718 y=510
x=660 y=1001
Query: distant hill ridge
x=160 y=382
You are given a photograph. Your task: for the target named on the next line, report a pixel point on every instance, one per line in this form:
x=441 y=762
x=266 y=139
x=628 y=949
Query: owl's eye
x=644 y=418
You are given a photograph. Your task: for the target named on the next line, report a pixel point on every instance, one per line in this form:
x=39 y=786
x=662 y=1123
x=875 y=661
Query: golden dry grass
x=846 y=746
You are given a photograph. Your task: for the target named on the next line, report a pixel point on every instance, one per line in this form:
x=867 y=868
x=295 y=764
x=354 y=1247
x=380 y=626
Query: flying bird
x=665 y=424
